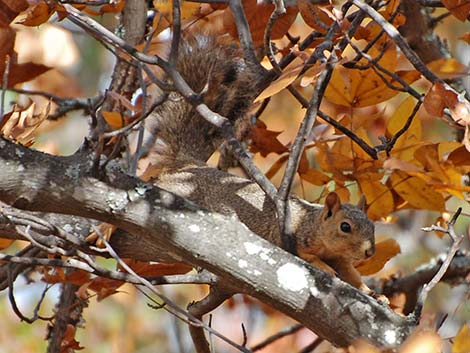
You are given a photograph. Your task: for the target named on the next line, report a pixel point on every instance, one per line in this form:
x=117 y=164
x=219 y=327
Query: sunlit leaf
x=362 y=88
x=384 y=251
x=411 y=138
x=417 y=192
x=378 y=196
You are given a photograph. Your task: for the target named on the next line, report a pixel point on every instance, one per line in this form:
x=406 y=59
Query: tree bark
x=170 y=224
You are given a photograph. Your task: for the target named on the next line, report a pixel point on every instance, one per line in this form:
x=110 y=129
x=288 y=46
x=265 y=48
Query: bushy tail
x=232 y=84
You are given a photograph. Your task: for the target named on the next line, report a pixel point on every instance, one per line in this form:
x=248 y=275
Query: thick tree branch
x=330 y=307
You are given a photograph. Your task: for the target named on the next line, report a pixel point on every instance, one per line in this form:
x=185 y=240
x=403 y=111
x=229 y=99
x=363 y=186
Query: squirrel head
x=345 y=231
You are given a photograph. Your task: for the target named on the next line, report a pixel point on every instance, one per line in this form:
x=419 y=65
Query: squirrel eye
x=345 y=227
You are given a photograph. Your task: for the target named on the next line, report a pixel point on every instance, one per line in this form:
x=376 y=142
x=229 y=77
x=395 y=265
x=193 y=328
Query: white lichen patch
x=315 y=292
x=252 y=248
x=257 y=273
x=390 y=337
x=264 y=254
x=292 y=277
x=117 y=202
x=19 y=153
x=194 y=228
x=242 y=263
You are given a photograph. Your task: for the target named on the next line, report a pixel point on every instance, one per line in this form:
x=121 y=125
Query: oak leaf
x=459 y=8
x=265 y=141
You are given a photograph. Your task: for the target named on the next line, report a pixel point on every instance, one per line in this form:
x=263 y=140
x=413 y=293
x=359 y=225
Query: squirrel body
x=332 y=237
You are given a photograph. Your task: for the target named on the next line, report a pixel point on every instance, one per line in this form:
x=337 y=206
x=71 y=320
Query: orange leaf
x=265 y=141
x=158 y=269
x=462 y=340
x=11 y=9
x=276 y=166
x=257 y=15
x=315 y=177
x=460 y=157
x=114 y=119
x=459 y=8
x=37 y=14
x=384 y=251
x=448 y=68
x=5 y=243
x=465 y=37
x=319 y=17
x=112 y=7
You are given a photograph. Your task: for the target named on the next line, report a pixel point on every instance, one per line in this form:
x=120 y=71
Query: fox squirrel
x=331 y=237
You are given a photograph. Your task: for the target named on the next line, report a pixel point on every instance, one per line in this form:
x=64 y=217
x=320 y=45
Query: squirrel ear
x=332 y=203
x=362 y=205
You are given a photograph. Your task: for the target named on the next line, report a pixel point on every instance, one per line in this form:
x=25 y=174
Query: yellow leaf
x=379 y=198
x=406 y=143
x=384 y=251
x=462 y=340
x=362 y=88
x=417 y=192
x=448 y=68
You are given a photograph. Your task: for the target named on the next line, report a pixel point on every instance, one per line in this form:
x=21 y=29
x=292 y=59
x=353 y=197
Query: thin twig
x=281 y=334
x=456 y=241
x=6 y=72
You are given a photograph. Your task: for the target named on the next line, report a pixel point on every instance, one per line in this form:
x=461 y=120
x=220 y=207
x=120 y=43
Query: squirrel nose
x=370 y=252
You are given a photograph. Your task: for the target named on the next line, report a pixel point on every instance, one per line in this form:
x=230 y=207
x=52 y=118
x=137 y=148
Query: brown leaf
x=69 y=344
x=384 y=251
x=20 y=125
x=459 y=8
x=257 y=15
x=158 y=269
x=11 y=9
x=440 y=97
x=319 y=17
x=265 y=141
